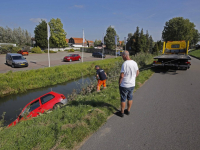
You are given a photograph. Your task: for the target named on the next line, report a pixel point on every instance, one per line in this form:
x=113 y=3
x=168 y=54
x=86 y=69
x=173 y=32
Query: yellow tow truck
x=174 y=54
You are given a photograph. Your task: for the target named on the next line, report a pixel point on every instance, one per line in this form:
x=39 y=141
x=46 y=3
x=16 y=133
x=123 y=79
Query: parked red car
x=23 y=52
x=72 y=57
x=45 y=102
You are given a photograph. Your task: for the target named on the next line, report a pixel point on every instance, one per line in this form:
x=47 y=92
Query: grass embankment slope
x=18 y=82
x=67 y=127
x=195 y=53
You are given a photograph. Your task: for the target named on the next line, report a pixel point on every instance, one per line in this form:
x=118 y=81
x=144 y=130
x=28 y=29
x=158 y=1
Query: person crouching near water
x=101 y=77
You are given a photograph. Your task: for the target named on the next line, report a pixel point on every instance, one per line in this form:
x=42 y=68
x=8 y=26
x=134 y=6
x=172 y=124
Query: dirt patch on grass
x=73 y=125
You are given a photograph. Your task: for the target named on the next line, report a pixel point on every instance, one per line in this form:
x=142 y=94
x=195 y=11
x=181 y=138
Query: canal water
x=13 y=104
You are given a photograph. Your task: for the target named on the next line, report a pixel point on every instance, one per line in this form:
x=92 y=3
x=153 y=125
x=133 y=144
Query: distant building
x=78 y=42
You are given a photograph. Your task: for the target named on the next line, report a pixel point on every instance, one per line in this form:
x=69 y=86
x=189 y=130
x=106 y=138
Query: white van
x=16 y=60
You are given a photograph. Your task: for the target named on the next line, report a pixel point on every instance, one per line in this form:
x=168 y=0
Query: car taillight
x=154 y=61
x=63 y=97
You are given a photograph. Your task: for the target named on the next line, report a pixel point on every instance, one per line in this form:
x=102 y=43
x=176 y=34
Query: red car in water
x=23 y=52
x=41 y=104
x=72 y=57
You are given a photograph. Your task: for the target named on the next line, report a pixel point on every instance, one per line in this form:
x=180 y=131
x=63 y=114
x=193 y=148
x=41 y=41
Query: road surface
x=165 y=116
x=37 y=61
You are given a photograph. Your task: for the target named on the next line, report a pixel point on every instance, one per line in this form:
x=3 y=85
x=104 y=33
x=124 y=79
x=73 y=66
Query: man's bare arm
x=121 y=77
x=137 y=73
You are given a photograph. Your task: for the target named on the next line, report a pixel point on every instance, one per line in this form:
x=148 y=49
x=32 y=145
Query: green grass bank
x=195 y=53
x=67 y=127
x=18 y=82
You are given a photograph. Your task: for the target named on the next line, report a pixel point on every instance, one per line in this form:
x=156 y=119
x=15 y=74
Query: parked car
x=16 y=60
x=48 y=101
x=72 y=57
x=98 y=54
x=23 y=52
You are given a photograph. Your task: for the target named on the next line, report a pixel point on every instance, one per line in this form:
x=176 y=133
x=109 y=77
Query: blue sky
x=96 y=16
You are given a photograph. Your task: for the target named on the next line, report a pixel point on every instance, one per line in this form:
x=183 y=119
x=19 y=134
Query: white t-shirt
x=129 y=68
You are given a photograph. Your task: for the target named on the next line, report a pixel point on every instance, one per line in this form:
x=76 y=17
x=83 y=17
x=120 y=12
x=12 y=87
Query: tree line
x=176 y=29
x=17 y=36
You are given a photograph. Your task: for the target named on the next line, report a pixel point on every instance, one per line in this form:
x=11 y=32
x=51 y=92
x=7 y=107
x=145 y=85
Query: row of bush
x=39 y=51
x=4 y=49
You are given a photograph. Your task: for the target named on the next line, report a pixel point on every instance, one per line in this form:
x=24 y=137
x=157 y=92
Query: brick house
x=78 y=42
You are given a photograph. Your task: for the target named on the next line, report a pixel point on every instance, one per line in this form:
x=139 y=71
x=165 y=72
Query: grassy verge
x=18 y=82
x=195 y=53
x=65 y=128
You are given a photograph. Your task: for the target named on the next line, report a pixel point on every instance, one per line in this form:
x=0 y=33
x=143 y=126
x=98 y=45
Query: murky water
x=13 y=104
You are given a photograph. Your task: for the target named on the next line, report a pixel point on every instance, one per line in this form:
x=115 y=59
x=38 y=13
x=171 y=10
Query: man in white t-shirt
x=129 y=72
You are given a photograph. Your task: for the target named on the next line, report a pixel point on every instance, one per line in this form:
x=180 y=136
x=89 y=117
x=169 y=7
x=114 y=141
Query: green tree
x=178 y=29
x=150 y=44
x=159 y=43
x=97 y=43
x=1 y=34
x=110 y=38
x=129 y=42
x=142 y=41
x=155 y=49
x=196 y=38
x=58 y=34
x=136 y=42
x=147 y=42
x=41 y=34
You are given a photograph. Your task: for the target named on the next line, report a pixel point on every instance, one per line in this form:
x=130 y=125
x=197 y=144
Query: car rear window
x=47 y=98
x=34 y=105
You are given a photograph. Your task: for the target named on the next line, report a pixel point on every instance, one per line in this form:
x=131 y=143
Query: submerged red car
x=72 y=57
x=45 y=102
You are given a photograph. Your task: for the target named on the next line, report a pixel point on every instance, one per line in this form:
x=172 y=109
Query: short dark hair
x=96 y=66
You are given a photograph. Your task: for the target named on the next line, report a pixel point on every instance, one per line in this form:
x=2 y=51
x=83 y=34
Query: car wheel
x=13 y=66
x=6 y=62
x=79 y=59
x=57 y=106
x=70 y=60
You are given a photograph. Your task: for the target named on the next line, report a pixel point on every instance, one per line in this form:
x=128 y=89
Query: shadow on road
x=37 y=63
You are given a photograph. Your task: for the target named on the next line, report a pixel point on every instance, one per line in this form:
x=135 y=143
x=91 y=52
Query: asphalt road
x=165 y=116
x=37 y=61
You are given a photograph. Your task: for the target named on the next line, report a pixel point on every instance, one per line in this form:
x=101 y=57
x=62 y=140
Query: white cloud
x=151 y=16
x=78 y=6
x=112 y=26
x=36 y=20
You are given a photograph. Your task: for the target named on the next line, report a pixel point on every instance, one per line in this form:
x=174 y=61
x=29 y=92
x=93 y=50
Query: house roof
x=78 y=40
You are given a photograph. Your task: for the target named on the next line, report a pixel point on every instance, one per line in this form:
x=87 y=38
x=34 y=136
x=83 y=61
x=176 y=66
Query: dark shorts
x=126 y=93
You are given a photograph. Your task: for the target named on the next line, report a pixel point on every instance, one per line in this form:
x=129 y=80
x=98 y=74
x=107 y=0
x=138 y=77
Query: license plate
x=22 y=64
x=158 y=62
